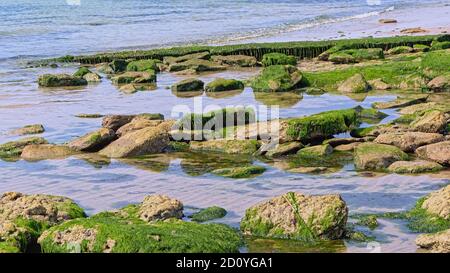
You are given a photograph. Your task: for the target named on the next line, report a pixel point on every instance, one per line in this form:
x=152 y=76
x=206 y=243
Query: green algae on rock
x=29 y=130
x=240 y=172
x=188 y=85
x=373 y=156
x=249 y=146
x=14 y=148
x=81 y=72
x=355 y=84
x=148 y=76
x=277 y=78
x=94 y=141
x=315 y=151
x=208 y=214
x=413 y=167
x=235 y=60
x=278 y=59
x=60 y=80
x=143 y=65
x=221 y=84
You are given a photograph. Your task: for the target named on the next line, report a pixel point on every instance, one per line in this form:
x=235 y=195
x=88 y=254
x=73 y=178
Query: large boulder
x=431 y=122
x=277 y=78
x=417 y=166
x=220 y=85
x=14 y=148
x=409 y=141
x=144 y=141
x=438 y=203
x=235 y=60
x=440 y=83
x=435 y=242
x=29 y=130
x=144 y=77
x=374 y=156
x=188 y=85
x=297 y=216
x=226 y=146
x=160 y=207
x=46 y=151
x=58 y=80
x=355 y=84
x=94 y=141
x=438 y=152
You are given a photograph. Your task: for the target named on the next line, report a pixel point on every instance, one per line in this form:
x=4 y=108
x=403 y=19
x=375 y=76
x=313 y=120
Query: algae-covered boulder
x=59 y=80
x=226 y=146
x=14 y=148
x=277 y=78
x=93 y=141
x=24 y=217
x=29 y=130
x=144 y=141
x=188 y=85
x=208 y=214
x=374 y=156
x=297 y=216
x=221 y=84
x=438 y=203
x=322 y=125
x=198 y=65
x=46 y=151
x=409 y=141
x=355 y=84
x=239 y=172
x=438 y=152
x=433 y=121
x=81 y=72
x=400 y=50
x=364 y=54
x=235 y=60
x=160 y=207
x=194 y=56
x=143 y=65
x=118 y=65
x=144 y=77
x=341 y=58
x=316 y=151
x=435 y=242
x=440 y=83
x=284 y=149
x=417 y=166
x=278 y=59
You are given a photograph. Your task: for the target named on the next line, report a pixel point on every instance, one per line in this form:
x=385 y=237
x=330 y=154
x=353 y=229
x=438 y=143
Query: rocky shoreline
x=415 y=68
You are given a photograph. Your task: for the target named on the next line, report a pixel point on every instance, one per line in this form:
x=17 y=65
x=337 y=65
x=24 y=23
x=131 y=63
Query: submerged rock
x=435 y=242
x=239 y=172
x=431 y=122
x=208 y=214
x=387 y=21
x=226 y=146
x=46 y=151
x=135 y=77
x=160 y=207
x=373 y=156
x=297 y=216
x=438 y=152
x=29 y=130
x=316 y=151
x=409 y=141
x=277 y=78
x=94 y=141
x=284 y=149
x=14 y=148
x=417 y=166
x=188 y=85
x=355 y=84
x=307 y=170
x=60 y=80
x=220 y=85
x=235 y=60
x=200 y=55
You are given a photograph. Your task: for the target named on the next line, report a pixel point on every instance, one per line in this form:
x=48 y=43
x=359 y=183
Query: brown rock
x=435 y=242
x=413 y=30
x=94 y=141
x=409 y=141
x=439 y=152
x=440 y=84
x=431 y=122
x=160 y=207
x=387 y=21
x=46 y=151
x=114 y=122
x=438 y=203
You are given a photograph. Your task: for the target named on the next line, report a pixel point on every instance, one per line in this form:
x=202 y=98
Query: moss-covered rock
x=412 y=167
x=29 y=130
x=421 y=48
x=240 y=172
x=278 y=59
x=235 y=60
x=14 y=148
x=194 y=56
x=188 y=85
x=364 y=54
x=284 y=149
x=400 y=50
x=373 y=156
x=379 y=84
x=221 y=84
x=59 y=80
x=197 y=65
x=297 y=216
x=322 y=125
x=143 y=65
x=81 y=72
x=208 y=214
x=277 y=78
x=400 y=102
x=118 y=65
x=370 y=113
x=367 y=220
x=355 y=84
x=145 y=77
x=341 y=58
x=94 y=141
x=316 y=151
x=226 y=146
x=89 y=115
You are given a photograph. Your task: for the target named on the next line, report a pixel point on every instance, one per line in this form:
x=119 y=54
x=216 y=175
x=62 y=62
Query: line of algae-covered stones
x=417 y=142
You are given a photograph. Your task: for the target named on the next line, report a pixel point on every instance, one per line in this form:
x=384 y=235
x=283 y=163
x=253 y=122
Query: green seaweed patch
x=81 y=72
x=367 y=220
x=144 y=65
x=221 y=118
x=240 y=172
x=272 y=245
x=14 y=148
x=208 y=214
x=278 y=59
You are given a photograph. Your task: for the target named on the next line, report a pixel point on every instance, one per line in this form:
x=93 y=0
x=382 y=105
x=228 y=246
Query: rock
x=431 y=122
x=81 y=72
x=297 y=216
x=201 y=55
x=136 y=124
x=400 y=102
x=130 y=88
x=379 y=84
x=84 y=115
x=144 y=141
x=94 y=141
x=143 y=65
x=160 y=207
x=277 y=78
x=46 y=151
x=438 y=203
x=347 y=147
x=409 y=141
x=435 y=242
x=208 y=214
x=413 y=82
x=220 y=85
x=374 y=156
x=413 y=30
x=418 y=166
x=400 y=50
x=197 y=65
x=114 y=122
x=60 y=80
x=284 y=149
x=239 y=172
x=355 y=84
x=235 y=60
x=118 y=65
x=188 y=85
x=374 y=131
x=440 y=84
x=278 y=59
x=387 y=21
x=92 y=77
x=14 y=148
x=307 y=170
x=135 y=77
x=341 y=58
x=439 y=152
x=316 y=151
x=333 y=142
x=226 y=146
x=29 y=130
x=409 y=110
